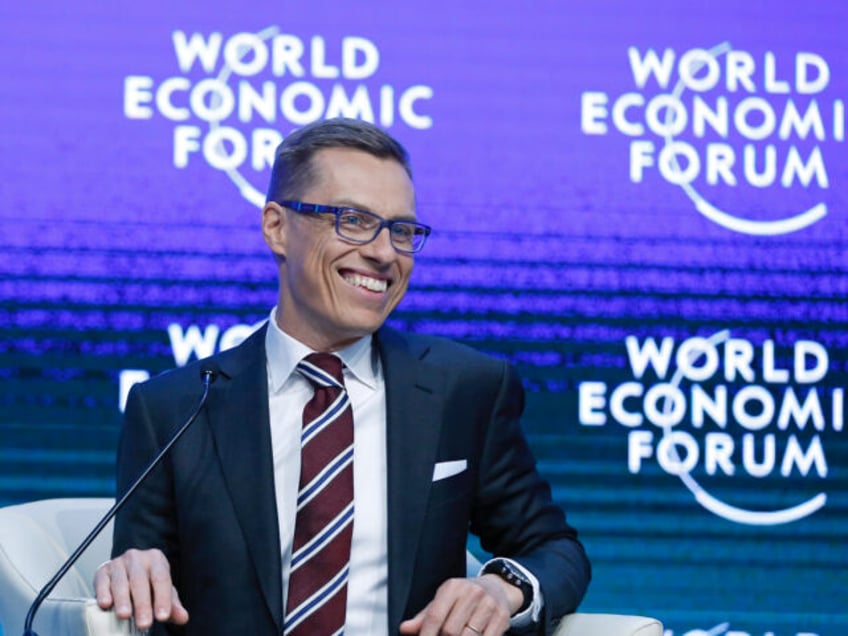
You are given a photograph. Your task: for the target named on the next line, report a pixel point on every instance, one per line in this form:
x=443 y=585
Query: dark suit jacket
x=211 y=508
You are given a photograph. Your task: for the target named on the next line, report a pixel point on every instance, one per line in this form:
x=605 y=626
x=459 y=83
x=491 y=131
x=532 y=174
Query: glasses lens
x=357 y=225
x=408 y=237
x=360 y=226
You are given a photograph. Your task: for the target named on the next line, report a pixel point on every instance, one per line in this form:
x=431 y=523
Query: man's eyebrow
x=350 y=203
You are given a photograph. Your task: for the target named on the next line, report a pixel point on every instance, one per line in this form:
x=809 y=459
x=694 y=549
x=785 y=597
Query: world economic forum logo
x=734 y=130
x=744 y=425
x=232 y=98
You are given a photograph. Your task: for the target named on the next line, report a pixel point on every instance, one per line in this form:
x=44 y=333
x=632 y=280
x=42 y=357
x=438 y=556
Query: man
x=211 y=540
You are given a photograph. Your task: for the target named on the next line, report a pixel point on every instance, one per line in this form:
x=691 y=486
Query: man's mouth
x=371 y=284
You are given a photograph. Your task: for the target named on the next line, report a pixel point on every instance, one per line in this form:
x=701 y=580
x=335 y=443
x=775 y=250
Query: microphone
x=208 y=374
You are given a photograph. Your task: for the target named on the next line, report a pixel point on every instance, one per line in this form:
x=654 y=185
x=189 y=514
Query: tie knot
x=323 y=369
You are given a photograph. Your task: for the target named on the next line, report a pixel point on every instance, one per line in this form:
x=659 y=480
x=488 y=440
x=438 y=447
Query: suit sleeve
x=514 y=514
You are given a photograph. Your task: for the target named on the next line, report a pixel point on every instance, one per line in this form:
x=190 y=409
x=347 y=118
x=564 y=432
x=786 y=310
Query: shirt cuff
x=531 y=614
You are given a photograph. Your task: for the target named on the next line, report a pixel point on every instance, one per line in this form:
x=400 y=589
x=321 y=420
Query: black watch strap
x=512 y=575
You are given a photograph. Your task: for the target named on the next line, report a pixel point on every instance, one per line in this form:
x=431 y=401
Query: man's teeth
x=367 y=282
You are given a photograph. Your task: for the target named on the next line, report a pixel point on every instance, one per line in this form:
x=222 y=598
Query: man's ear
x=274 y=228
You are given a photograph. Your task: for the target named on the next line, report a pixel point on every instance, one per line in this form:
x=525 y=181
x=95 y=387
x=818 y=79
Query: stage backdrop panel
x=642 y=205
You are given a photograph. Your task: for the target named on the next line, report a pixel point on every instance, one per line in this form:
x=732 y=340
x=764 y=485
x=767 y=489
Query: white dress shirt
x=288 y=393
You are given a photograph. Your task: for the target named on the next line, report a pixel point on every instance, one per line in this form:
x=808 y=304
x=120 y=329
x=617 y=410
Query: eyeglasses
x=361 y=226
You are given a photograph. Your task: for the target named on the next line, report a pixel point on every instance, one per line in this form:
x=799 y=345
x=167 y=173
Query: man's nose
x=381 y=247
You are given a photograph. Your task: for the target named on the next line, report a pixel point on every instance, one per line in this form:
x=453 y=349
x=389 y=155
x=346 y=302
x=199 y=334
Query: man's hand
x=467 y=607
x=139 y=580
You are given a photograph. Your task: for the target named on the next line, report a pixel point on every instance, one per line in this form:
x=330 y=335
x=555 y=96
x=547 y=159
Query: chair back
x=35 y=540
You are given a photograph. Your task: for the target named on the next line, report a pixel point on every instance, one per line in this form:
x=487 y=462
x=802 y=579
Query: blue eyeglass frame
x=318 y=208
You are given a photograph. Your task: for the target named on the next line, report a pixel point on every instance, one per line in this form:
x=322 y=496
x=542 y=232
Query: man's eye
x=402 y=231
x=351 y=219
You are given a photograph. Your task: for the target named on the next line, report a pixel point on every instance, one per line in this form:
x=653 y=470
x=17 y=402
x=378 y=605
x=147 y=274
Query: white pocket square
x=443 y=470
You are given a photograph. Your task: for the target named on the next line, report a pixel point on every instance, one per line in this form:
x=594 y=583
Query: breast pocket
x=450 y=489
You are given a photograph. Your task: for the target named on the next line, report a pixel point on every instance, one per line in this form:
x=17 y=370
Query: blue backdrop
x=641 y=205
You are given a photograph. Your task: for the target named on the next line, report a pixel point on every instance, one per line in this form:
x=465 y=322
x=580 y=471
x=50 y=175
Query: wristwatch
x=512 y=575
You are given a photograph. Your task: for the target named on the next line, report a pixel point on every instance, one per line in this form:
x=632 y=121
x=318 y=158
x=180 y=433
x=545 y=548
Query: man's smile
x=361 y=280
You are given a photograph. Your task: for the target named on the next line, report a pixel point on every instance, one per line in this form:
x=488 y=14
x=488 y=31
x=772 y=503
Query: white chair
x=37 y=537
x=35 y=540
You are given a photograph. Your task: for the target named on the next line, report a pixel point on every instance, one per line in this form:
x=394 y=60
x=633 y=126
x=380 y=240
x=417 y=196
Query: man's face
x=333 y=292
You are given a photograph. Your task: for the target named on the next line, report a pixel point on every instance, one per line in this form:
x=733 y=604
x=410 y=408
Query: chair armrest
x=80 y=616
x=587 y=624
x=100 y=622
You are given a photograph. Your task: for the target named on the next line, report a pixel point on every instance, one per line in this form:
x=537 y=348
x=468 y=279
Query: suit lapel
x=413 y=427
x=240 y=423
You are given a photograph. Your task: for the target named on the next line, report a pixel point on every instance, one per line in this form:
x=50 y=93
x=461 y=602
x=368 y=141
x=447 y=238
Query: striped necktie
x=317 y=591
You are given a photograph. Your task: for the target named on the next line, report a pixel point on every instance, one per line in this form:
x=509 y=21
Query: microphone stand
x=208 y=376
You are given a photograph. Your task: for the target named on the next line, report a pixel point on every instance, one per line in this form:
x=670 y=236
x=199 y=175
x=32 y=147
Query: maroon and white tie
x=317 y=591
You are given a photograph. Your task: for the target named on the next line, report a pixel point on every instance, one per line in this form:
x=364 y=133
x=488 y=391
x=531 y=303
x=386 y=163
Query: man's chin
x=367 y=327
x=360 y=324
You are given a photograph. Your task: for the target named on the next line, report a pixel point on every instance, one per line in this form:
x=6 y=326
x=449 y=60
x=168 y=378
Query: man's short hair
x=293 y=172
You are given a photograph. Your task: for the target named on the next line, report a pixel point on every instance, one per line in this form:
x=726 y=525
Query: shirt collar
x=284 y=352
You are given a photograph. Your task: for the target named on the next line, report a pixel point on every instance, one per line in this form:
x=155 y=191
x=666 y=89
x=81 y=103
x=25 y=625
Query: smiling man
x=332 y=478
x=333 y=291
